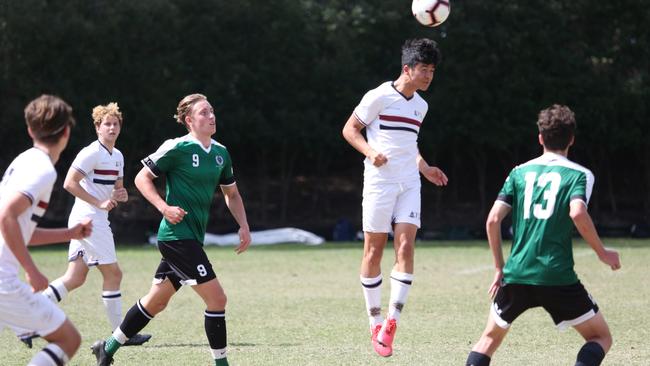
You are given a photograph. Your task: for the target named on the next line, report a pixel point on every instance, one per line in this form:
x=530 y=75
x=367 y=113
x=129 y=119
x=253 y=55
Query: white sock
x=51 y=355
x=372 y=293
x=113 y=305
x=400 y=284
x=56 y=291
x=119 y=336
x=218 y=354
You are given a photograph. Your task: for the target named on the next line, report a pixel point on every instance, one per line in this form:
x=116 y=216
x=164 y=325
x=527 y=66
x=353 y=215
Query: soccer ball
x=430 y=13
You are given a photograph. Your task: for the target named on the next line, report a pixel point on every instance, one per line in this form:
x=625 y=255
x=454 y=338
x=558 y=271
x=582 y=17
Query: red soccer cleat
x=387 y=333
x=380 y=349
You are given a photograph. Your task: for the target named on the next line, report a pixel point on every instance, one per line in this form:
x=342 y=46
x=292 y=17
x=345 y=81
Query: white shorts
x=20 y=308
x=98 y=248
x=388 y=203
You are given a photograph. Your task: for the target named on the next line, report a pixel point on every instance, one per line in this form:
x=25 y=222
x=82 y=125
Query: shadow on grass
x=237 y=344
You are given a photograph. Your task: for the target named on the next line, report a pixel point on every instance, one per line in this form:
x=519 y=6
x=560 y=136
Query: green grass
x=298 y=305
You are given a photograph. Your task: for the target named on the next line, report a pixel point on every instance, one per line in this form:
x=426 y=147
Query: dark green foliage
x=284 y=76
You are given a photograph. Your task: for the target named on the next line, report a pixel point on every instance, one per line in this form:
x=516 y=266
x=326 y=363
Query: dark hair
x=557 y=125
x=47 y=116
x=421 y=50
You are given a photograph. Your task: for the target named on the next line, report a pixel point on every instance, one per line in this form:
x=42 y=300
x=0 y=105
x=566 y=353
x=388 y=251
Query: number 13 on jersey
x=550 y=182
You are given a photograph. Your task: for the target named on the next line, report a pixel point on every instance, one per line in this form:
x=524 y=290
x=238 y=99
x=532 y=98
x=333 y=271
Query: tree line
x=284 y=75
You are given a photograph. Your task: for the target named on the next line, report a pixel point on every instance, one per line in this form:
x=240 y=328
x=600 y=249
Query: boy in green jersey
x=547 y=196
x=194 y=165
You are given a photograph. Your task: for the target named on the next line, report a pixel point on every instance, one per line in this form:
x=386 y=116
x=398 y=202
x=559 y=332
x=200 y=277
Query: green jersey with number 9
x=539 y=193
x=192 y=174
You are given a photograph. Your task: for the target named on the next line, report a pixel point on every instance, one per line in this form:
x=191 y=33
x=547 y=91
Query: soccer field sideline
x=297 y=305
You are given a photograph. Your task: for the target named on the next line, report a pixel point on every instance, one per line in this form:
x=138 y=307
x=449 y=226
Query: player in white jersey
x=392 y=115
x=96 y=180
x=25 y=192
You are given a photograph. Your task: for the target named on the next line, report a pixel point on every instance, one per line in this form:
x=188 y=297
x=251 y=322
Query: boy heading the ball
x=392 y=115
x=547 y=196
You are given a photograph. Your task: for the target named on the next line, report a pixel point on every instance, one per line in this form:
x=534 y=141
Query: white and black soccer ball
x=430 y=13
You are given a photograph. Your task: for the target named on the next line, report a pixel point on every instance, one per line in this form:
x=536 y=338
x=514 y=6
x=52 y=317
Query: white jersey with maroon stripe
x=101 y=169
x=392 y=123
x=32 y=174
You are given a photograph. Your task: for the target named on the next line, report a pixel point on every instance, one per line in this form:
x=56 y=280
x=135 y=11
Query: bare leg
x=75 y=275
x=598 y=340
x=491 y=338
x=404 y=244
x=66 y=337
x=373 y=250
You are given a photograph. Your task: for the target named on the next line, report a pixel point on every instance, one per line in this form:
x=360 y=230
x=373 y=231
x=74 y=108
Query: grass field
x=297 y=305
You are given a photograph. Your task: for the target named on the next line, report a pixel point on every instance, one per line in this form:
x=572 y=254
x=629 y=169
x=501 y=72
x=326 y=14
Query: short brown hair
x=557 y=125
x=185 y=107
x=101 y=111
x=47 y=117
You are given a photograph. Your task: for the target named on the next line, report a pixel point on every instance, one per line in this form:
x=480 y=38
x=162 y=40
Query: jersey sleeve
x=508 y=190
x=582 y=188
x=163 y=159
x=227 y=175
x=368 y=109
x=31 y=183
x=85 y=161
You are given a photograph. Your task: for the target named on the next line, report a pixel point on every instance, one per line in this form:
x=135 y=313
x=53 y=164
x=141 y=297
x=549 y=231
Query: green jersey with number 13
x=539 y=193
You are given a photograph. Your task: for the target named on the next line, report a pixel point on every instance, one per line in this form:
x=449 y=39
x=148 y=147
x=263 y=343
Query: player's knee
x=373 y=255
x=405 y=251
x=156 y=307
x=218 y=302
x=116 y=275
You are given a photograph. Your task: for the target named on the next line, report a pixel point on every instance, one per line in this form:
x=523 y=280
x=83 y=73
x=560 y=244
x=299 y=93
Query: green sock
x=112 y=345
x=221 y=362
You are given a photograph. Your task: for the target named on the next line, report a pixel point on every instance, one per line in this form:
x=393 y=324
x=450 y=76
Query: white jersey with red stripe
x=392 y=123
x=32 y=174
x=101 y=168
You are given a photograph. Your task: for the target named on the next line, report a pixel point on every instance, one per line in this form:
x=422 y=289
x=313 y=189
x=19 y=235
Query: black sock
x=477 y=359
x=591 y=354
x=215 y=328
x=135 y=320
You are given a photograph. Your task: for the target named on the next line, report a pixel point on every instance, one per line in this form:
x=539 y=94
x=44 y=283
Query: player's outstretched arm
x=433 y=174
x=352 y=134
x=81 y=230
x=144 y=183
x=71 y=184
x=584 y=224
x=12 y=207
x=493 y=228
x=236 y=206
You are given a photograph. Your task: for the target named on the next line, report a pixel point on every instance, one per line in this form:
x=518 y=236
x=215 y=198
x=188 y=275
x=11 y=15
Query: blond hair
x=102 y=111
x=184 y=108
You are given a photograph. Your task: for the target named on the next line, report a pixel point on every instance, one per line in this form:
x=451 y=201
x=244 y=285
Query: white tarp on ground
x=264 y=237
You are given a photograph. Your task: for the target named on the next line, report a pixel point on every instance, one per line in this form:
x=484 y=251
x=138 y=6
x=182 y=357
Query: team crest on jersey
x=219 y=159
x=417 y=113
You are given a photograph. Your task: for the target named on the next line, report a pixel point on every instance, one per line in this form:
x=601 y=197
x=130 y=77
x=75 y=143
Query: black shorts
x=568 y=305
x=183 y=262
